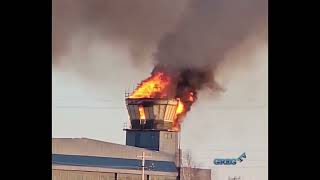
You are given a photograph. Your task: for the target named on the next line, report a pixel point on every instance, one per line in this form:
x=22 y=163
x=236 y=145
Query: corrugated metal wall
x=84 y=175
x=81 y=175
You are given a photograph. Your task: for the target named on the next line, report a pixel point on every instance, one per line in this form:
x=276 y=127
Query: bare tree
x=188 y=165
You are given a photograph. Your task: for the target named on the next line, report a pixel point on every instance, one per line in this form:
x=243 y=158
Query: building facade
x=150 y=134
x=88 y=159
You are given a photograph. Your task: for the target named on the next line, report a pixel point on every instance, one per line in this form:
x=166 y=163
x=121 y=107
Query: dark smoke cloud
x=210 y=29
x=187 y=33
x=138 y=24
x=191 y=37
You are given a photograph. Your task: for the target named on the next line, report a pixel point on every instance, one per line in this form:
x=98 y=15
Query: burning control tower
x=152 y=123
x=153 y=116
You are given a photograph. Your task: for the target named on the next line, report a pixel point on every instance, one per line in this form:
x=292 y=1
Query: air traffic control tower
x=151 y=124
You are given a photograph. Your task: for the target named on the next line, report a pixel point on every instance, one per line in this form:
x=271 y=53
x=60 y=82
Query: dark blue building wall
x=143 y=139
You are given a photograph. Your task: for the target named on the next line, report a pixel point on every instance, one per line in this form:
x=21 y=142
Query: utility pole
x=143 y=162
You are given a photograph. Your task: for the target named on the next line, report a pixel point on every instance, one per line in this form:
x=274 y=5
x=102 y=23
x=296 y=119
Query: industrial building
x=152 y=149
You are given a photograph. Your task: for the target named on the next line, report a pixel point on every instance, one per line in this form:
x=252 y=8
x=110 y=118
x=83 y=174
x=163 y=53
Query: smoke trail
x=138 y=24
x=192 y=37
x=210 y=28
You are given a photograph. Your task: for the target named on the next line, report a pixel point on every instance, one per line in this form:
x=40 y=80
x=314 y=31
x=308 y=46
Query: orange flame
x=155 y=87
x=152 y=87
x=141 y=112
x=180 y=108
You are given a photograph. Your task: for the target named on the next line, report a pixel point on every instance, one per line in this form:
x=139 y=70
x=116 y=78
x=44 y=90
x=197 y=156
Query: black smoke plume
x=191 y=37
x=192 y=53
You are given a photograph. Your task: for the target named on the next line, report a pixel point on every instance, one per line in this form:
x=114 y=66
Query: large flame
x=152 y=87
x=155 y=86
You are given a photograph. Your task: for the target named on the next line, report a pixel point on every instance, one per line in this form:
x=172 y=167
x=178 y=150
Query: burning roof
x=159 y=86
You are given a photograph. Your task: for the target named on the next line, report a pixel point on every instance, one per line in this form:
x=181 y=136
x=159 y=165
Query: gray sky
x=88 y=101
